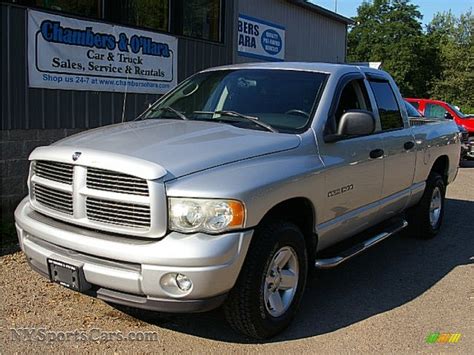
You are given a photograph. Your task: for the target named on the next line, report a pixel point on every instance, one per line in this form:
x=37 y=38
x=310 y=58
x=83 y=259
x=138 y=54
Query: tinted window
x=194 y=18
x=415 y=104
x=434 y=111
x=412 y=112
x=198 y=18
x=389 y=112
x=143 y=13
x=253 y=92
x=353 y=97
x=87 y=8
x=458 y=112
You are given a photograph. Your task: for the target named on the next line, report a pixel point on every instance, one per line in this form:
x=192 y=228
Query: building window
x=151 y=14
x=86 y=8
x=198 y=19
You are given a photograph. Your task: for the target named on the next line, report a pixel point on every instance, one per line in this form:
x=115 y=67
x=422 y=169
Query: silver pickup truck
x=232 y=187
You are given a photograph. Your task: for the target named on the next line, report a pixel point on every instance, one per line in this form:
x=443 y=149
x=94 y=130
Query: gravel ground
x=386 y=300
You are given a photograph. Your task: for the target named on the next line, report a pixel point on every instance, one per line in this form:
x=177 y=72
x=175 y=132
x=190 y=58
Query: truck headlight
x=190 y=215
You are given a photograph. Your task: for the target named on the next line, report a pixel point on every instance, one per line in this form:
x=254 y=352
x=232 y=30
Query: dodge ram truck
x=232 y=187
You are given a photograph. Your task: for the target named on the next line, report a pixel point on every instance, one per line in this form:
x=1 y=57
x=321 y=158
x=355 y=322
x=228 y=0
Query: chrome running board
x=329 y=263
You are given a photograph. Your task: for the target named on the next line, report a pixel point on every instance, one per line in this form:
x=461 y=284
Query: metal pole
x=335 y=5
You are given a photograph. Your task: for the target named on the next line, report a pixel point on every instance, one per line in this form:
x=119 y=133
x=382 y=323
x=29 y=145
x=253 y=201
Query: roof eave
x=322 y=11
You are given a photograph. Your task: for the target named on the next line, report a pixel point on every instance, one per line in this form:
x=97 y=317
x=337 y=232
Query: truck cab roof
x=328 y=68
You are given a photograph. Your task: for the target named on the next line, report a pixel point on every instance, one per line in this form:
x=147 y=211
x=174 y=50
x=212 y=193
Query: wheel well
x=299 y=211
x=441 y=166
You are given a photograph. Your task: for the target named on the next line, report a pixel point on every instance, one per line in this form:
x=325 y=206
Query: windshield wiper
x=252 y=119
x=170 y=109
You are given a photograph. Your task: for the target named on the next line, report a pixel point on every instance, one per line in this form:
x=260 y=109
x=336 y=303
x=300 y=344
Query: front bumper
x=128 y=270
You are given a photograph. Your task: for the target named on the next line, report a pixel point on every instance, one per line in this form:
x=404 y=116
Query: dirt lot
x=387 y=300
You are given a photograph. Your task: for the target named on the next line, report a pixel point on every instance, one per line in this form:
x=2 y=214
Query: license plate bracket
x=67 y=275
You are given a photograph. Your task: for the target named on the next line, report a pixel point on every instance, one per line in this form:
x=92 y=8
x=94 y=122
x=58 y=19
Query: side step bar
x=329 y=263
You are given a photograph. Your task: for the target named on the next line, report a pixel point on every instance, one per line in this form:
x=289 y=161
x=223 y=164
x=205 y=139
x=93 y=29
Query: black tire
x=245 y=308
x=420 y=225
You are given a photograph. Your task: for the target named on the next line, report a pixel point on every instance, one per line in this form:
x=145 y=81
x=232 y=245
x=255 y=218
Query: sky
x=428 y=8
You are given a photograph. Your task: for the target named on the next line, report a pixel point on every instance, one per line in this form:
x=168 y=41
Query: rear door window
x=389 y=111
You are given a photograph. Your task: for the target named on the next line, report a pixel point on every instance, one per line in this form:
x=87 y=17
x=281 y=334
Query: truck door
x=354 y=169
x=398 y=145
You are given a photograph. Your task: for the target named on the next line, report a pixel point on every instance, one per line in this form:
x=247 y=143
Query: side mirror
x=356 y=123
x=353 y=123
x=448 y=116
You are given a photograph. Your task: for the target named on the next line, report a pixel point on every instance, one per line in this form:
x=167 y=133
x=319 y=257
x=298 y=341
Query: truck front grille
x=54 y=199
x=95 y=198
x=120 y=213
x=116 y=182
x=55 y=171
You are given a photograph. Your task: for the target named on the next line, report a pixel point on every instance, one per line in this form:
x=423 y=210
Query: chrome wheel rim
x=435 y=207
x=281 y=281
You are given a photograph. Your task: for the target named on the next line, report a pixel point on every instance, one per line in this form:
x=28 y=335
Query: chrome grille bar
x=116 y=182
x=55 y=171
x=113 y=207
x=120 y=213
x=54 y=199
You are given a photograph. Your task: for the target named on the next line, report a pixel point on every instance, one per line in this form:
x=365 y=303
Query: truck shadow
x=389 y=275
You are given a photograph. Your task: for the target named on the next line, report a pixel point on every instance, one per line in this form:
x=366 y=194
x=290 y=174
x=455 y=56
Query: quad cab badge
x=76 y=155
x=341 y=190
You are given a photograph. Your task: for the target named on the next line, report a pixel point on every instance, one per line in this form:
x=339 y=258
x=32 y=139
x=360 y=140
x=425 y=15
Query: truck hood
x=179 y=147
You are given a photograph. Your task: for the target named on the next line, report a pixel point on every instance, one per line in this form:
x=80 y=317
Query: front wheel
x=271 y=283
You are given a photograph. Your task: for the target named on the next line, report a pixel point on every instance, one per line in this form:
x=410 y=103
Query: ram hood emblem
x=76 y=155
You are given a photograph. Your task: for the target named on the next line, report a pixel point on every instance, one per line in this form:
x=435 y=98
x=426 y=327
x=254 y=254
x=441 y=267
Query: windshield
x=458 y=112
x=281 y=99
x=412 y=112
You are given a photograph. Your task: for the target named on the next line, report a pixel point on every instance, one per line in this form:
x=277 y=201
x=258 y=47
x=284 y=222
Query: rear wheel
x=271 y=283
x=425 y=219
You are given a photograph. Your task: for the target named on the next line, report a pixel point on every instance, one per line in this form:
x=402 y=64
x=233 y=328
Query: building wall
x=25 y=108
x=32 y=117
x=15 y=147
x=309 y=36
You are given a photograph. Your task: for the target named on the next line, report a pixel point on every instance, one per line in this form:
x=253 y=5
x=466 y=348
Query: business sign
x=260 y=39
x=71 y=54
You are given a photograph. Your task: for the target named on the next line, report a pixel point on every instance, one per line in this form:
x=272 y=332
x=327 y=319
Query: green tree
x=390 y=31
x=454 y=39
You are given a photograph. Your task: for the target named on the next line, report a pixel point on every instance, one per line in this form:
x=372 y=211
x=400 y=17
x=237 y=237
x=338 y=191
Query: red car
x=442 y=110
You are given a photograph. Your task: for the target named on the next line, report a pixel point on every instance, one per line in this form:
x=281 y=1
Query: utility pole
x=335 y=5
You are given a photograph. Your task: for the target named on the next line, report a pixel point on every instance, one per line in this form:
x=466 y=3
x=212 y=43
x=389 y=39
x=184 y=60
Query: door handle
x=376 y=153
x=409 y=145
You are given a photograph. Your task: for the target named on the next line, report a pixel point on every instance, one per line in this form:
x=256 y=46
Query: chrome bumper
x=128 y=270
